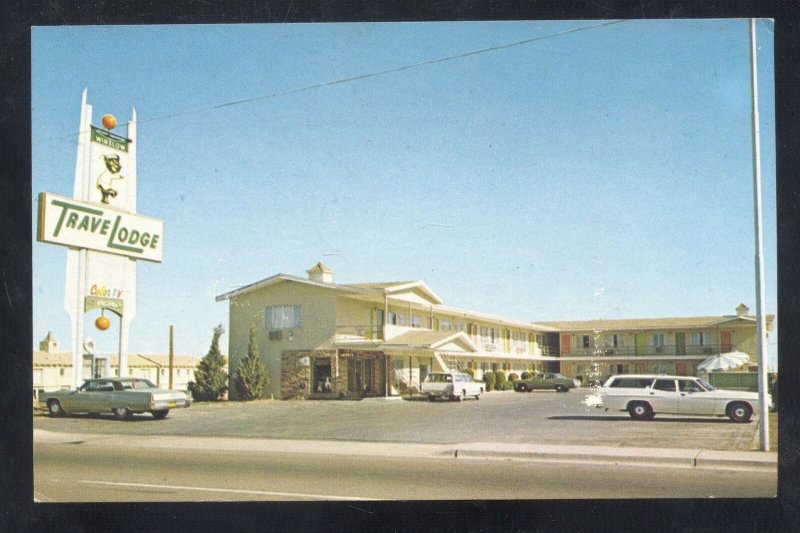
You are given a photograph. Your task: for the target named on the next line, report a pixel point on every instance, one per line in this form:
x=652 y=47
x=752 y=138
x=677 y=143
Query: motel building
x=322 y=340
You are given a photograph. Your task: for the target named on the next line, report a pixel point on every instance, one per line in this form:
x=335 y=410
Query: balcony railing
x=667 y=350
x=359 y=332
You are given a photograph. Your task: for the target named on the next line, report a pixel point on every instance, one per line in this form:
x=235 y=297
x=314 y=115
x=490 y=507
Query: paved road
x=105 y=469
x=538 y=417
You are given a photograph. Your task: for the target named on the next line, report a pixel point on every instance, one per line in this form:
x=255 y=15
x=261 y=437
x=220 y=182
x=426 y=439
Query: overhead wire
x=359 y=77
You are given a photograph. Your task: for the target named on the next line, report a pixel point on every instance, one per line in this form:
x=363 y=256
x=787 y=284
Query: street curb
x=660 y=457
x=674 y=457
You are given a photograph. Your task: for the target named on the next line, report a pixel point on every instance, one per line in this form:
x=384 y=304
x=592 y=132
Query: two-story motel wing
x=320 y=339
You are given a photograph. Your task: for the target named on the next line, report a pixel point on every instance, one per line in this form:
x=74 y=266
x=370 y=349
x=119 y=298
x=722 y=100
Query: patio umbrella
x=724 y=361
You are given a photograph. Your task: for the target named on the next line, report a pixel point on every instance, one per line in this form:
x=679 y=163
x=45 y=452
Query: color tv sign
x=70 y=222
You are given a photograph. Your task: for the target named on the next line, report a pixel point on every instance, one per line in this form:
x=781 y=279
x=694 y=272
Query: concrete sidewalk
x=663 y=457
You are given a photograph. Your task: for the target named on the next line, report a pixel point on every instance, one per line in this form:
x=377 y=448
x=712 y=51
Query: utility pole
x=171 y=355
x=761 y=330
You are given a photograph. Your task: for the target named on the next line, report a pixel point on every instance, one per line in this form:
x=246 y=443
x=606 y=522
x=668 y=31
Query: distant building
x=52 y=368
x=320 y=339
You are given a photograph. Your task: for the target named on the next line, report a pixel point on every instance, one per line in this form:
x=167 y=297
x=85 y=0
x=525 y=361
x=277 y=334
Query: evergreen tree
x=251 y=377
x=211 y=381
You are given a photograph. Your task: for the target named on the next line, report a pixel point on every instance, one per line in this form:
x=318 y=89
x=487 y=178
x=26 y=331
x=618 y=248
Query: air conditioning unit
x=609 y=351
x=659 y=349
x=275 y=335
x=707 y=350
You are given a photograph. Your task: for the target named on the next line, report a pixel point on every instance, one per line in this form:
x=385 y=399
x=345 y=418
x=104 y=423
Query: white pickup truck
x=451 y=385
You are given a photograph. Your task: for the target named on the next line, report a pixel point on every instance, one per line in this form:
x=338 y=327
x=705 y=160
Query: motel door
x=680 y=343
x=359 y=376
x=680 y=369
x=639 y=342
x=565 y=349
x=725 y=341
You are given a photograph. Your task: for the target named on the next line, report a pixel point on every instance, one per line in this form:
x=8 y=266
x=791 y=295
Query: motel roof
x=638 y=324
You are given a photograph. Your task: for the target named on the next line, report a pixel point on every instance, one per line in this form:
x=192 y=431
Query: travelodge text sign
x=70 y=222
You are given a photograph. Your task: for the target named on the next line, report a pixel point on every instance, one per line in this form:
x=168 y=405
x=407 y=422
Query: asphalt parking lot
x=538 y=417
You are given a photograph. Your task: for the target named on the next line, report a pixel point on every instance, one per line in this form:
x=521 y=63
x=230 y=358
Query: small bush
x=513 y=377
x=470 y=372
x=499 y=380
x=489 y=379
x=526 y=375
x=508 y=385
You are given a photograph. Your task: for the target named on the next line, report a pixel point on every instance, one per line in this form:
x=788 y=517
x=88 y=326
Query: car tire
x=460 y=397
x=640 y=411
x=54 y=409
x=521 y=388
x=739 y=412
x=431 y=398
x=122 y=413
x=561 y=388
x=478 y=396
x=160 y=414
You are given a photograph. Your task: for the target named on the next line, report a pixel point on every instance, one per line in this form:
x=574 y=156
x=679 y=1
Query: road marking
x=234 y=491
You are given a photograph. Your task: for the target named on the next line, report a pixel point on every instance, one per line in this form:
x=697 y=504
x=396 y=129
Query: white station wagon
x=643 y=396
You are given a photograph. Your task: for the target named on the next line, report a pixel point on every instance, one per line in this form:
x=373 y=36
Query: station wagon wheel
x=640 y=411
x=122 y=413
x=739 y=412
x=54 y=408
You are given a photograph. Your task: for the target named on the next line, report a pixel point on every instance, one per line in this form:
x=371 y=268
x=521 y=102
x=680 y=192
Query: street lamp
x=761 y=330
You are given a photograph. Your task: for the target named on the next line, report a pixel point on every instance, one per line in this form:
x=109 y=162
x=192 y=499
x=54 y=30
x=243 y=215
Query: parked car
x=451 y=385
x=547 y=380
x=121 y=396
x=643 y=396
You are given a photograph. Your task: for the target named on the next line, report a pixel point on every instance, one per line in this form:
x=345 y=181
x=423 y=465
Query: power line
x=369 y=74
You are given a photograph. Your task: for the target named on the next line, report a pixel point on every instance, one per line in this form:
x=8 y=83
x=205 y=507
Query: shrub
x=499 y=380
x=513 y=377
x=251 y=378
x=211 y=380
x=508 y=385
x=526 y=375
x=470 y=372
x=489 y=379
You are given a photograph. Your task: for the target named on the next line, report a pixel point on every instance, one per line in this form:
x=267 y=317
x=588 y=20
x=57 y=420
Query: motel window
x=460 y=326
x=658 y=339
x=701 y=338
x=60 y=371
x=484 y=332
x=586 y=341
x=401 y=319
x=445 y=325
x=392 y=318
x=280 y=317
x=484 y=367
x=416 y=321
x=614 y=340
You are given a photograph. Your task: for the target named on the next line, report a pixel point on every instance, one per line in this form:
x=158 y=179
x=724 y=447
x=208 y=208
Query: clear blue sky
x=604 y=173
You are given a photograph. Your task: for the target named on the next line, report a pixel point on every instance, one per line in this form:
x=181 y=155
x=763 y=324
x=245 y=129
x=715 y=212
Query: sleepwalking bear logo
x=106 y=179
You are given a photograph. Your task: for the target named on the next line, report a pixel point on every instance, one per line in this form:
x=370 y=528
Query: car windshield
x=558 y=376
x=706 y=384
x=439 y=378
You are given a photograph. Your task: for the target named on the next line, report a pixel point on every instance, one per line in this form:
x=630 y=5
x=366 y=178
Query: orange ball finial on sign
x=102 y=323
x=109 y=121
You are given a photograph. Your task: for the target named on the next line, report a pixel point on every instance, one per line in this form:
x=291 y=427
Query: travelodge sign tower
x=104 y=235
